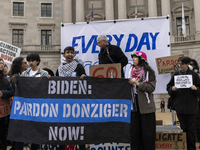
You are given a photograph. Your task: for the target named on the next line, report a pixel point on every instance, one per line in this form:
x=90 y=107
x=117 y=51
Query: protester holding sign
x=143 y=122
x=110 y=53
x=5 y=93
x=70 y=68
x=185 y=99
x=33 y=60
x=19 y=65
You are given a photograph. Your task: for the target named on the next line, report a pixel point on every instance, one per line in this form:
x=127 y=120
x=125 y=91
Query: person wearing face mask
x=185 y=101
x=5 y=93
x=194 y=65
x=143 y=122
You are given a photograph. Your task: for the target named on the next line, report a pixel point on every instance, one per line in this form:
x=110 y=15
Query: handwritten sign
x=183 y=81
x=167 y=64
x=4 y=107
x=106 y=70
x=9 y=52
x=171 y=140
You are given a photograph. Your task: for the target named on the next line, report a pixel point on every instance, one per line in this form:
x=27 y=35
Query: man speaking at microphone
x=110 y=53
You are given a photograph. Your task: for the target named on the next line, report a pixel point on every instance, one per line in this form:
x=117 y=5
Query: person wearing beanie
x=143 y=121
x=110 y=53
x=185 y=101
x=5 y=93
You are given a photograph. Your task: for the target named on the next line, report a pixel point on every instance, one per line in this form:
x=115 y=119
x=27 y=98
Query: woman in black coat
x=6 y=91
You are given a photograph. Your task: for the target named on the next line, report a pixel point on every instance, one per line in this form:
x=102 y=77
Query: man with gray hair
x=110 y=53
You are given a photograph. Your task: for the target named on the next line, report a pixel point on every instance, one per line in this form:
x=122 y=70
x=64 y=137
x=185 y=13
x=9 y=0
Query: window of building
x=46 y=10
x=179 y=26
x=17 y=36
x=46 y=38
x=18 y=9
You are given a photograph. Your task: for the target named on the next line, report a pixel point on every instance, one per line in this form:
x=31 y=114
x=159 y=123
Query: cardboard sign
x=171 y=145
x=171 y=140
x=106 y=70
x=4 y=107
x=167 y=64
x=110 y=146
x=9 y=52
x=183 y=81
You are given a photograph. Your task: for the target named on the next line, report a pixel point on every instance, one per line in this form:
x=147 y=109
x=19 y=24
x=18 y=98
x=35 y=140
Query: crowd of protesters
x=143 y=80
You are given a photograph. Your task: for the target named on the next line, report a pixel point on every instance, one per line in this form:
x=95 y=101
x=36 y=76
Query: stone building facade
x=34 y=25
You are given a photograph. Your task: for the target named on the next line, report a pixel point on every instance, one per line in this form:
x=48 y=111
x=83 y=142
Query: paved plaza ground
x=165 y=116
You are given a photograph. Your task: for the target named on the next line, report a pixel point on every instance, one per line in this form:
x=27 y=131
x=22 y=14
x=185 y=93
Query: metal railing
x=39 y=47
x=183 y=39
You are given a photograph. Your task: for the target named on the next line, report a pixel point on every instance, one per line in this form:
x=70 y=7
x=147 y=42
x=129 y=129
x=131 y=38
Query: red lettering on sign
x=4 y=111
x=164 y=64
x=6 y=57
x=159 y=61
x=168 y=62
x=95 y=71
x=163 y=145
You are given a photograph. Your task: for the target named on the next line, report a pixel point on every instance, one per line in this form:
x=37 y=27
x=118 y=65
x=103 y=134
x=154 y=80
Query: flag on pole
x=183 y=22
x=136 y=9
x=92 y=15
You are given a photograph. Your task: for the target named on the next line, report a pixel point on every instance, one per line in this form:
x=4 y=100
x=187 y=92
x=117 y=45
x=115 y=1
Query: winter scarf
x=137 y=73
x=66 y=69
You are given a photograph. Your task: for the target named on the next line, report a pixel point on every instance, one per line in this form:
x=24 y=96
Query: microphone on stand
x=107 y=48
x=108 y=53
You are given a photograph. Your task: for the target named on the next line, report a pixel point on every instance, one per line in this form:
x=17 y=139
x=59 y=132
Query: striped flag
x=183 y=22
x=92 y=15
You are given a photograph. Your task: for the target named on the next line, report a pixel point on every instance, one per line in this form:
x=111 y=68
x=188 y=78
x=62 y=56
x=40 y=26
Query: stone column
x=80 y=11
x=165 y=4
x=197 y=18
x=166 y=10
x=67 y=11
x=152 y=8
x=122 y=13
x=109 y=9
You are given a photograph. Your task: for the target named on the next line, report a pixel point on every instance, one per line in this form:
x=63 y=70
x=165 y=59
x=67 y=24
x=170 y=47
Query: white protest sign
x=9 y=52
x=150 y=35
x=110 y=146
x=183 y=81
